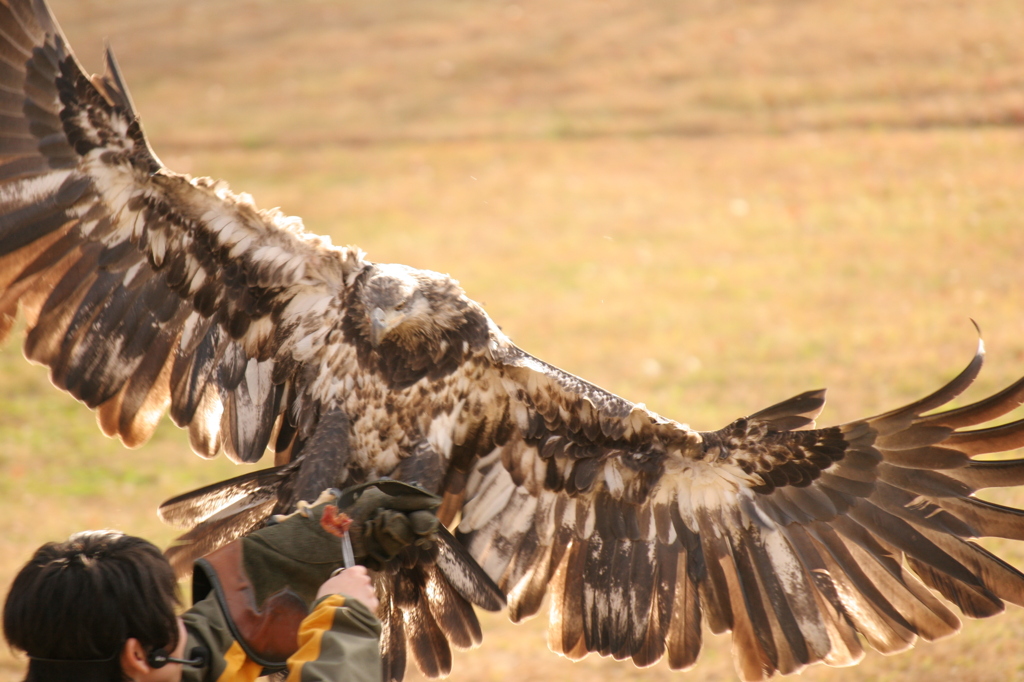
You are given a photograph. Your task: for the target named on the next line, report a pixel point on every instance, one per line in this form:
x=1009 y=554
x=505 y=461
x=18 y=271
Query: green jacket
x=338 y=640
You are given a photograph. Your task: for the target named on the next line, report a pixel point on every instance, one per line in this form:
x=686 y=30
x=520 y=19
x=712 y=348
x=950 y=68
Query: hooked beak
x=381 y=323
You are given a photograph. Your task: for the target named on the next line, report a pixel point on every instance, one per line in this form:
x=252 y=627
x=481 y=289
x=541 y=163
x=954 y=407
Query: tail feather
x=392 y=635
x=465 y=575
x=404 y=588
x=453 y=614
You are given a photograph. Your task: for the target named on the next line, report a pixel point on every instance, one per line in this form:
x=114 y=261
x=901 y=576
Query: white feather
x=27 y=191
x=589 y=523
x=440 y=434
x=198 y=279
x=254 y=380
x=495 y=493
x=613 y=479
x=133 y=272
x=239 y=249
x=158 y=246
x=475 y=479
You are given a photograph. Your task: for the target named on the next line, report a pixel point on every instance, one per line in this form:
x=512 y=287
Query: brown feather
x=453 y=614
x=982 y=411
x=683 y=638
x=856 y=596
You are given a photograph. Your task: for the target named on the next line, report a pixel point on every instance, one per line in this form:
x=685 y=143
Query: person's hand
x=352 y=582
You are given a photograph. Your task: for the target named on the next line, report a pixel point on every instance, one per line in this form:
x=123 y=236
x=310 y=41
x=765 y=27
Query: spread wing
x=794 y=539
x=144 y=290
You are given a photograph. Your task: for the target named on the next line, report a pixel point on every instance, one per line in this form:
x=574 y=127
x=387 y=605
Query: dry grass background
x=707 y=206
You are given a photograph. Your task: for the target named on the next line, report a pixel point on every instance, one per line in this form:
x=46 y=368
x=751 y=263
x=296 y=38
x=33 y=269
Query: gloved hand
x=387 y=517
x=267 y=581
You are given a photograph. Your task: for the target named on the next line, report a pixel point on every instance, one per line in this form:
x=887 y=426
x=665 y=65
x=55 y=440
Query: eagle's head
x=413 y=308
x=412 y=324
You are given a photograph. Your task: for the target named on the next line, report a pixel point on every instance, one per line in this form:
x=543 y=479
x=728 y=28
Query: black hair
x=76 y=603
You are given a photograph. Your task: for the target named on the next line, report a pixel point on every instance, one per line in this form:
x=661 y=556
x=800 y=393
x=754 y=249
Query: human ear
x=133 y=659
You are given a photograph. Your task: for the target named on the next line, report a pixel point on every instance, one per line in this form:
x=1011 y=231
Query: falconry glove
x=266 y=582
x=388 y=518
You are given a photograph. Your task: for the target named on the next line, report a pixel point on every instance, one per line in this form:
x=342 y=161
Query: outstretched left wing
x=147 y=292
x=794 y=539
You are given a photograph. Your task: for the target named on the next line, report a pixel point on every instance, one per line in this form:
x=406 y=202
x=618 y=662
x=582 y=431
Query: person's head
x=89 y=607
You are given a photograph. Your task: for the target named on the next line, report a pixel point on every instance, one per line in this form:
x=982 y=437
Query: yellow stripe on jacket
x=311 y=633
x=239 y=667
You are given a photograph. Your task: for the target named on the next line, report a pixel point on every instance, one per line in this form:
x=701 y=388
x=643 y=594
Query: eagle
x=146 y=292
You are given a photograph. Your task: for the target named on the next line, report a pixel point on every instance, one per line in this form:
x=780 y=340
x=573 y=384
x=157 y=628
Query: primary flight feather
x=149 y=292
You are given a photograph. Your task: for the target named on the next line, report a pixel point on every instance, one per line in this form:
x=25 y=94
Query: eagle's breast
x=424 y=422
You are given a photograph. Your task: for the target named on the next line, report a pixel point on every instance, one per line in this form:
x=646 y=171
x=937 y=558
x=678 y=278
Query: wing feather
x=795 y=539
x=849 y=568
x=145 y=399
x=678 y=595
x=565 y=635
x=117 y=261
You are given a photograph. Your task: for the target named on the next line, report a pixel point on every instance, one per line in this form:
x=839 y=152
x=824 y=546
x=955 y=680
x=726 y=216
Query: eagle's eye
x=400 y=306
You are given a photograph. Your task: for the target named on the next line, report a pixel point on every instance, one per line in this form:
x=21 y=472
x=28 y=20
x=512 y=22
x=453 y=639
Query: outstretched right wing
x=146 y=290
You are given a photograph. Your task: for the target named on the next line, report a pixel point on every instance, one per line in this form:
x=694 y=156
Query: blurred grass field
x=704 y=206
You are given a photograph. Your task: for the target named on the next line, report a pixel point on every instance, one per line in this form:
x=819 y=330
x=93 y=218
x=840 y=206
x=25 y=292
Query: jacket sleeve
x=339 y=639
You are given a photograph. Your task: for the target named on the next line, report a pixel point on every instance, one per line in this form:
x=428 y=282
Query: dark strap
x=268 y=633
x=80 y=671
